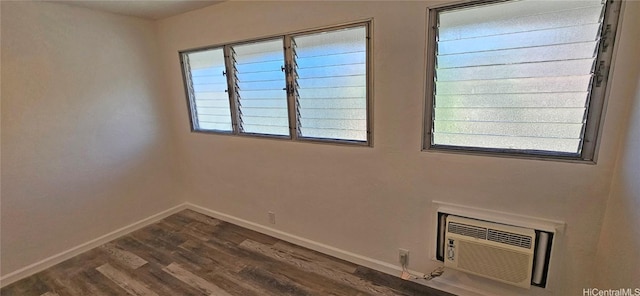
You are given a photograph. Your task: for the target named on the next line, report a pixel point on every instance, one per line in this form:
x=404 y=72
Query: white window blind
x=262 y=98
x=208 y=86
x=516 y=75
x=331 y=74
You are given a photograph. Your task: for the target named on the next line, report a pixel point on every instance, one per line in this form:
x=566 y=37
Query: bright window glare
x=332 y=79
x=209 y=86
x=515 y=75
x=261 y=88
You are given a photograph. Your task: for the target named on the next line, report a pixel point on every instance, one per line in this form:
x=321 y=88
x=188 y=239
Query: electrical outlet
x=272 y=217
x=403 y=257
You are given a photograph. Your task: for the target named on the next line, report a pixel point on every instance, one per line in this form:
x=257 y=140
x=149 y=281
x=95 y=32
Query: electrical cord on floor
x=434 y=274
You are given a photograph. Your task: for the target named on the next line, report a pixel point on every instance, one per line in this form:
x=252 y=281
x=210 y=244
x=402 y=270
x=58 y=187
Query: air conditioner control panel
x=451 y=250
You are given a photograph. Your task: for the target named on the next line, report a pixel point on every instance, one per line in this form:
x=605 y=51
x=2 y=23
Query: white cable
x=434 y=274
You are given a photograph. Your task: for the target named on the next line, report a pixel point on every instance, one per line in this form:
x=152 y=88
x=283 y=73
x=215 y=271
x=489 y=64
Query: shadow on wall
x=85 y=146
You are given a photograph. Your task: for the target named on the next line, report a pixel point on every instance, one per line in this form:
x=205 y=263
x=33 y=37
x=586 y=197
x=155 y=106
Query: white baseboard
x=307 y=243
x=388 y=268
x=77 y=250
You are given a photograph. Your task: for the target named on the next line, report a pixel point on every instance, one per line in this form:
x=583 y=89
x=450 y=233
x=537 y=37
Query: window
x=303 y=86
x=519 y=77
x=260 y=87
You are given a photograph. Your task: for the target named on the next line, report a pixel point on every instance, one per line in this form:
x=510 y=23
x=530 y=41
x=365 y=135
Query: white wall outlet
x=272 y=217
x=403 y=257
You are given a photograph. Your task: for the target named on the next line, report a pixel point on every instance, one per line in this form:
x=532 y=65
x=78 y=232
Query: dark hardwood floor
x=192 y=254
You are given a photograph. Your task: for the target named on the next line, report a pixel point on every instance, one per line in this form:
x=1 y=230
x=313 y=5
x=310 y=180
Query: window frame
x=596 y=100
x=292 y=103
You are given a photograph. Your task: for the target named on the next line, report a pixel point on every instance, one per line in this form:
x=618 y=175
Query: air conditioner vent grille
x=468 y=230
x=509 y=238
x=506 y=265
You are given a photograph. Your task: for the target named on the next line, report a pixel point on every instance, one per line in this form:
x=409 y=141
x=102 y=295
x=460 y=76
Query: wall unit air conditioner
x=501 y=252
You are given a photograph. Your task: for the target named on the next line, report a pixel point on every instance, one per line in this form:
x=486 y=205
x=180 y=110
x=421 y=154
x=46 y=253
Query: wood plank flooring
x=192 y=254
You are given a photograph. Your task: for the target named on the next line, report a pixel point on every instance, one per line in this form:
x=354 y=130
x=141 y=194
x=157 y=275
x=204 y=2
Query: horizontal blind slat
x=209 y=87
x=213 y=118
x=214 y=103
x=334 y=114
x=328 y=103
x=212 y=95
x=500 y=142
x=327 y=70
x=516 y=16
x=343 y=92
x=565 y=99
x=211 y=71
x=342 y=123
x=516 y=85
x=336 y=60
x=572 y=51
x=334 y=81
x=263 y=94
x=539 y=129
x=266 y=130
x=527 y=70
x=266 y=121
x=566 y=115
x=264 y=112
x=222 y=111
x=261 y=85
x=338 y=134
x=266 y=103
x=566 y=35
x=211 y=126
x=249 y=68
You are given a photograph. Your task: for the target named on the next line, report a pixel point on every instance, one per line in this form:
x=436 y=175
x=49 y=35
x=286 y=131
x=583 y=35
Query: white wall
x=618 y=264
x=372 y=201
x=85 y=146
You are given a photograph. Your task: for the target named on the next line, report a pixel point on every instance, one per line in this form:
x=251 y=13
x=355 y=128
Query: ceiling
x=148 y=9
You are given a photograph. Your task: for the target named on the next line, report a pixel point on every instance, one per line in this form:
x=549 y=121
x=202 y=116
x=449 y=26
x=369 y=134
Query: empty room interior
x=320 y=147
